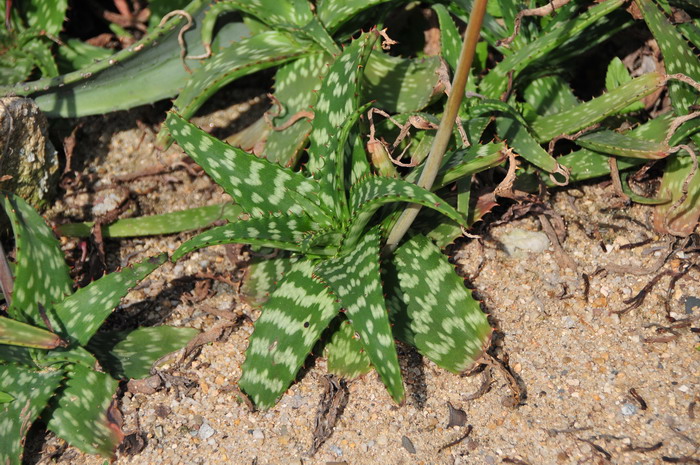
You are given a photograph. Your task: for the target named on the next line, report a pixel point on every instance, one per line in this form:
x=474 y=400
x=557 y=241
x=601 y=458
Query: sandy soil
x=598 y=387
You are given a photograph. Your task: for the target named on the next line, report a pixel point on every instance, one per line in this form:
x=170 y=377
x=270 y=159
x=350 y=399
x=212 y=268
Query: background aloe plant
x=54 y=364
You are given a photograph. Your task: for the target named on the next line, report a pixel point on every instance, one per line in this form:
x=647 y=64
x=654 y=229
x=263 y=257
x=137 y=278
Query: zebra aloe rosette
x=327 y=217
x=51 y=352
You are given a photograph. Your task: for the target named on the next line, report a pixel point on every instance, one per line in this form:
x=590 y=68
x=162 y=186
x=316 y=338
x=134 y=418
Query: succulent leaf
x=166 y=223
x=45 y=15
x=81 y=415
x=622 y=145
x=292 y=320
x=279 y=231
x=682 y=219
x=355 y=279
x=80 y=315
x=450 y=39
x=549 y=95
x=617 y=75
x=41 y=274
x=345 y=354
x=517 y=136
x=334 y=14
x=430 y=307
x=31 y=390
x=257 y=185
x=262 y=277
x=597 y=109
x=13 y=332
x=131 y=354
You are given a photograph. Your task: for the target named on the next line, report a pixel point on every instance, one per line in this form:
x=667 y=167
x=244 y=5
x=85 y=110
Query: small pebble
x=408 y=445
x=518 y=241
x=258 y=434
x=568 y=322
x=683 y=388
x=629 y=409
x=205 y=431
x=336 y=450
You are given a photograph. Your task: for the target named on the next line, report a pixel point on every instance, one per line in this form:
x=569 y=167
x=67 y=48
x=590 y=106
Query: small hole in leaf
x=306 y=324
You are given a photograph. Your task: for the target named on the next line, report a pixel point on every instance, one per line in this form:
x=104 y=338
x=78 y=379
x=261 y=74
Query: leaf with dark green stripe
x=165 y=223
x=334 y=14
x=81 y=415
x=346 y=354
x=368 y=195
x=679 y=57
x=355 y=279
x=16 y=333
x=131 y=354
x=292 y=320
x=295 y=84
x=30 y=391
x=257 y=185
x=450 y=40
x=622 y=145
x=262 y=276
x=278 y=231
x=430 y=307
x=80 y=315
x=41 y=274
x=597 y=109
x=247 y=56
x=337 y=100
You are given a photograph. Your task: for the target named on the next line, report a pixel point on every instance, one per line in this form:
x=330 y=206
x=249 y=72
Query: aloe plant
x=54 y=364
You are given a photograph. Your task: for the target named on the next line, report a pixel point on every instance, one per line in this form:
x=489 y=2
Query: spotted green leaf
x=292 y=320
x=418 y=80
x=81 y=415
x=45 y=15
x=345 y=353
x=622 y=145
x=16 y=333
x=517 y=136
x=262 y=276
x=682 y=219
x=355 y=279
x=257 y=185
x=166 y=223
x=80 y=315
x=496 y=81
x=31 y=390
x=275 y=12
x=295 y=83
x=549 y=95
x=431 y=309
x=679 y=57
x=247 y=56
x=617 y=75
x=16 y=354
x=462 y=164
x=278 y=231
x=450 y=40
x=597 y=109
x=131 y=354
x=371 y=193
x=337 y=101
x=41 y=274
x=334 y=13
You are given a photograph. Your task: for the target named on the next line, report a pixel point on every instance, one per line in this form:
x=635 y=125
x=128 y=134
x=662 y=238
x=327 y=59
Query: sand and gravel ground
x=576 y=361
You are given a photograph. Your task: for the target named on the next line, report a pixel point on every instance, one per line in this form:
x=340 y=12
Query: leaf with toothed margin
x=496 y=81
x=345 y=354
x=517 y=136
x=622 y=145
x=263 y=275
x=80 y=315
x=31 y=391
x=247 y=56
x=295 y=83
x=334 y=14
x=679 y=57
x=82 y=415
x=371 y=193
x=131 y=354
x=13 y=332
x=418 y=77
x=279 y=231
x=257 y=185
x=275 y=12
x=549 y=95
x=337 y=100
x=679 y=220
x=450 y=40
x=597 y=109
x=41 y=274
x=356 y=280
x=291 y=322
x=430 y=307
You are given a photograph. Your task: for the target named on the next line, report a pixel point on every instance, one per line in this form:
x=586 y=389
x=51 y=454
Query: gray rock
x=258 y=434
x=28 y=161
x=629 y=409
x=518 y=241
x=205 y=431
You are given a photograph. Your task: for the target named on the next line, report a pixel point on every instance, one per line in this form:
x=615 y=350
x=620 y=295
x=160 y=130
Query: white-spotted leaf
x=346 y=354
